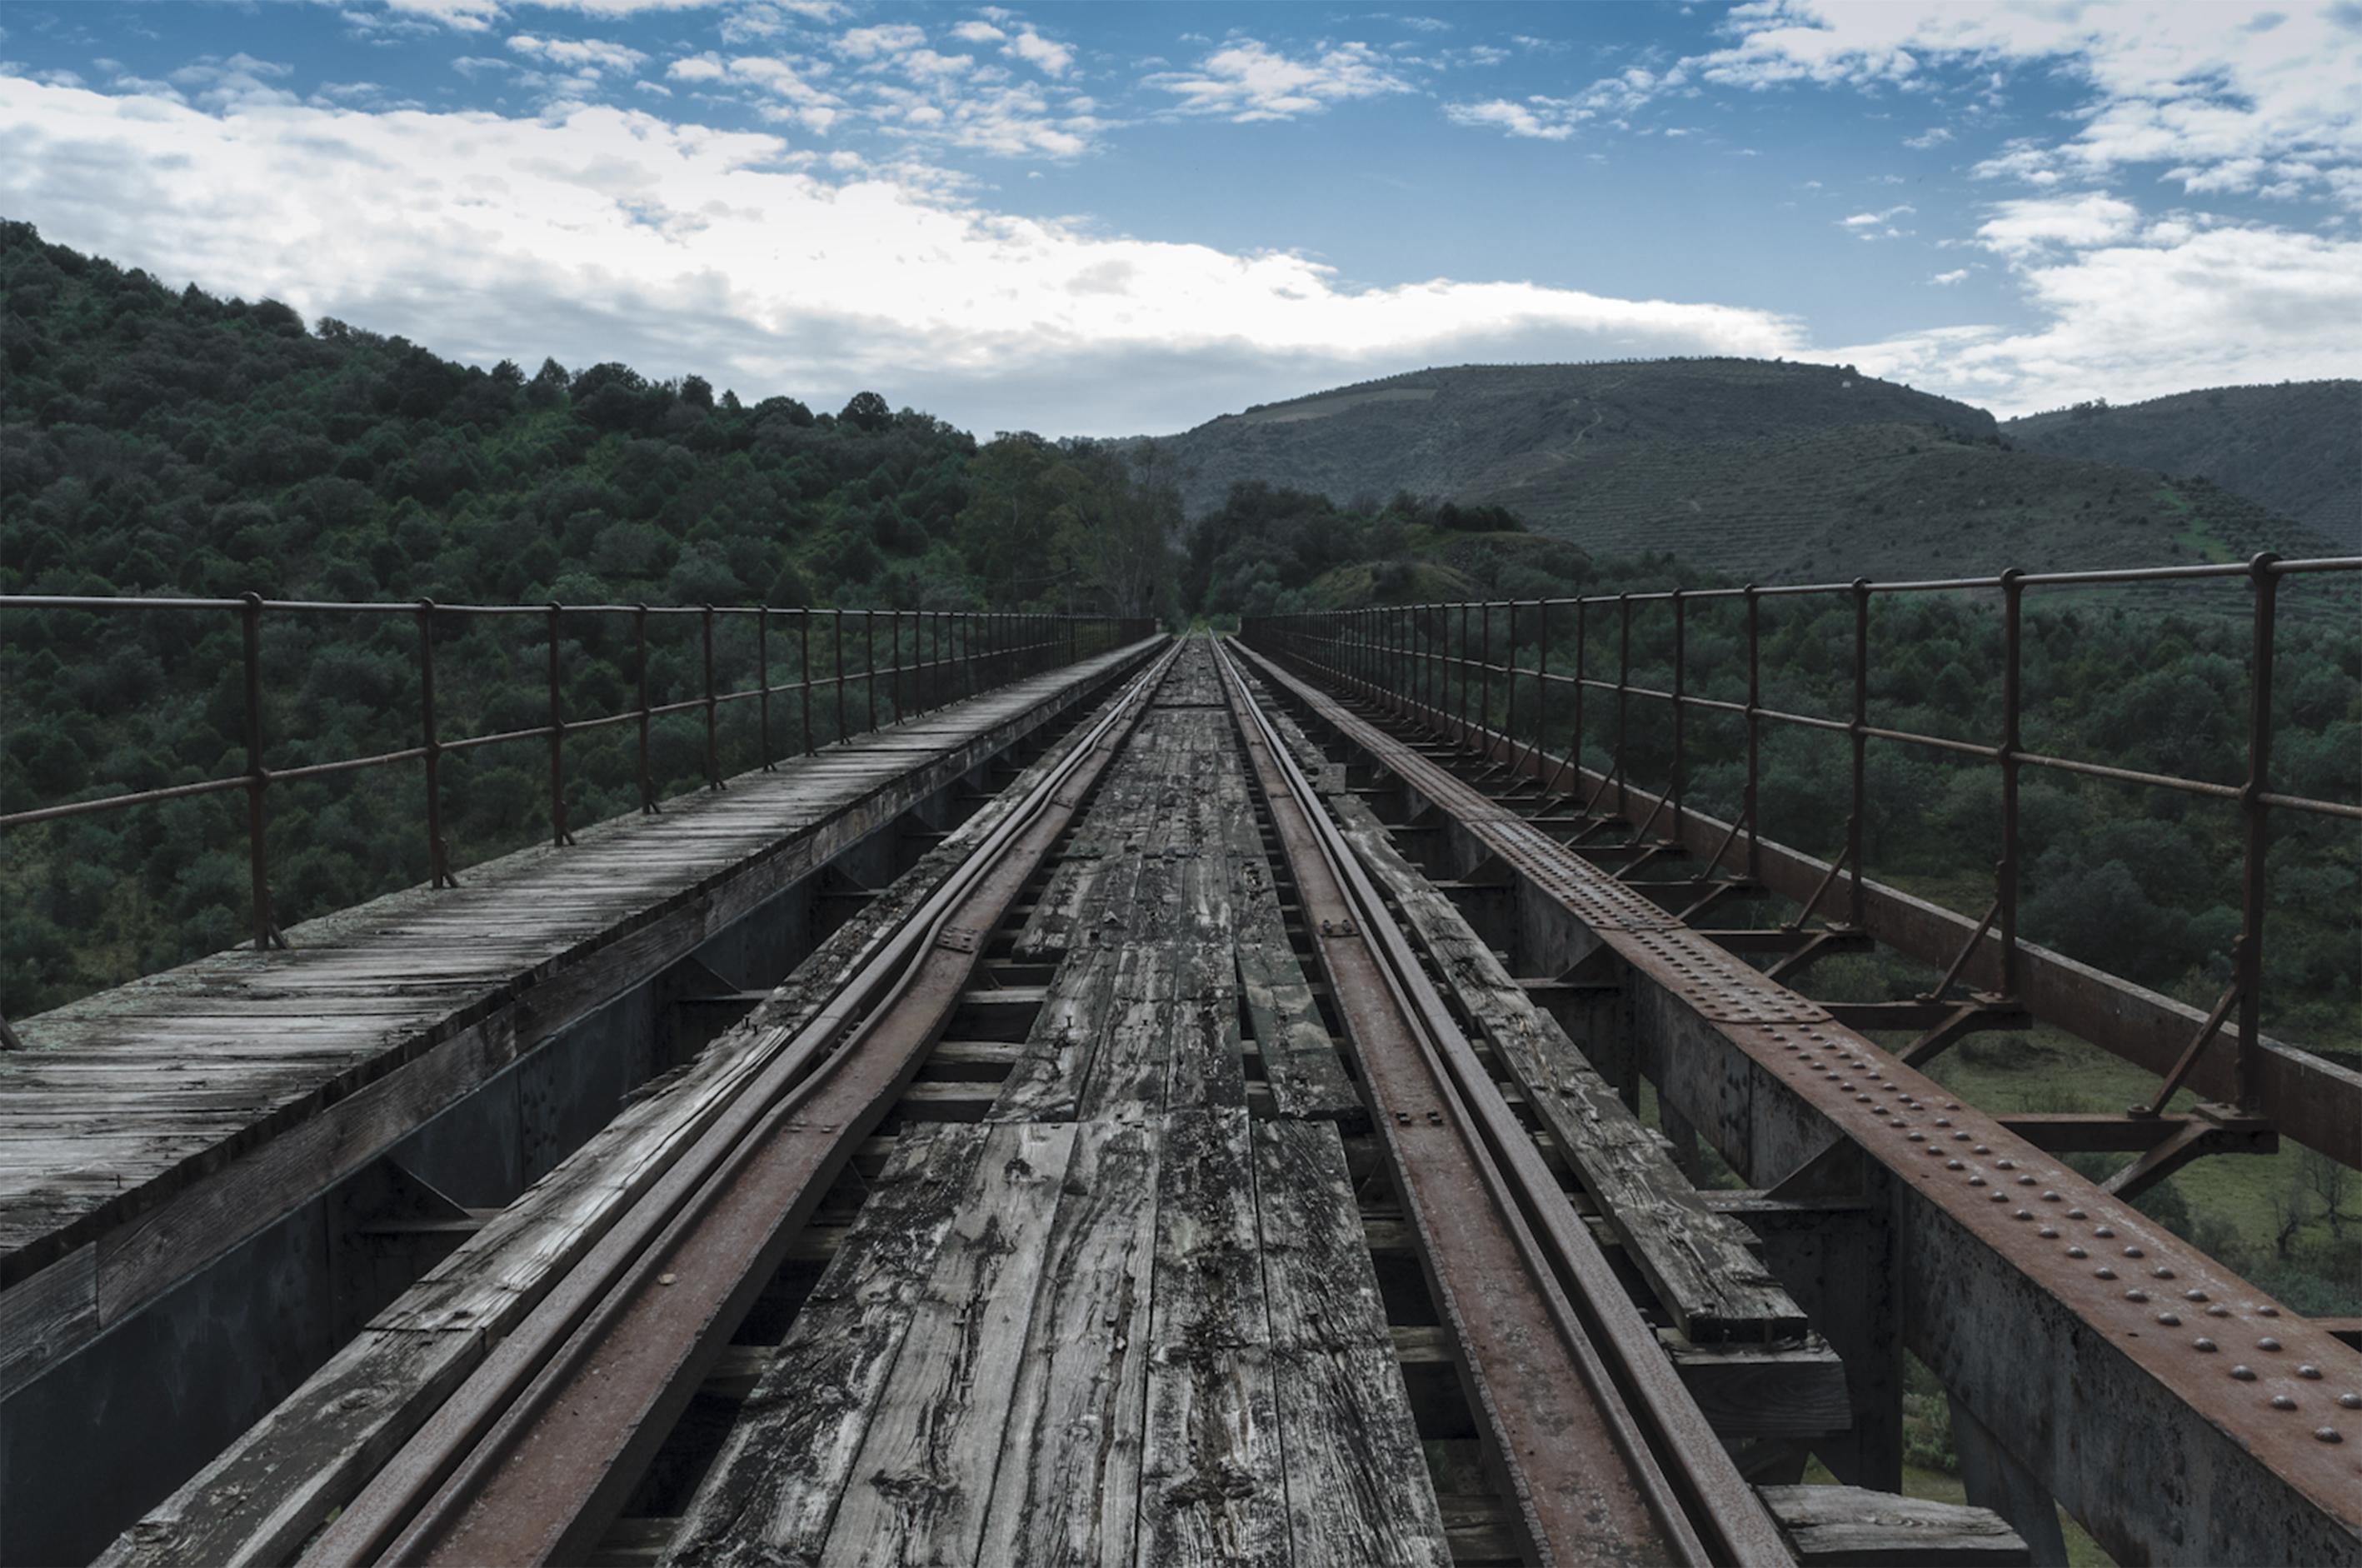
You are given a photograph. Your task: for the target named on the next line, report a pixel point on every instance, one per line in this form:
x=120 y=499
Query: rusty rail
x=972 y=652
x=1406 y=656
x=1608 y=1457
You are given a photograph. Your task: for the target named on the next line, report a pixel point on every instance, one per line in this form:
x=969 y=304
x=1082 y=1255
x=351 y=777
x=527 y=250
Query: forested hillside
x=156 y=441
x=1763 y=470
x=2295 y=448
x=1466 y=432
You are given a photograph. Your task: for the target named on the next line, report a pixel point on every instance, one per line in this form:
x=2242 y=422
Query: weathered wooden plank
x=924 y=1473
x=1699 y=1264
x=1049 y=929
x=1066 y=1491
x=1848 y=1526
x=777 y=1482
x=1358 y=1490
x=1212 y=1478
x=266 y=1493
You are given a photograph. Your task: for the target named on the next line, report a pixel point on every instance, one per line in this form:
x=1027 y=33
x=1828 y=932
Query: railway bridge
x=1260 y=1098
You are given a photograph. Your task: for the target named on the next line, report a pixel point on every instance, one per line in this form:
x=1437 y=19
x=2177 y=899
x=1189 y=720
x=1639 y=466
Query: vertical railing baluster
x=762 y=684
x=2005 y=874
x=648 y=782
x=1510 y=707
x=258 y=780
x=713 y=705
x=1856 y=831
x=1541 y=691
x=2247 y=959
x=803 y=666
x=836 y=670
x=1621 y=763
x=1681 y=709
x=1754 y=733
x=558 y=835
x=439 y=865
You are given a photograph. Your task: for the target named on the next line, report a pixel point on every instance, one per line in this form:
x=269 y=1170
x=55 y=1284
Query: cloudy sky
x=1110 y=218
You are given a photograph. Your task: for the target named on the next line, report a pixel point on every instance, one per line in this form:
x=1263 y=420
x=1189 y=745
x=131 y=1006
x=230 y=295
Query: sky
x=1115 y=218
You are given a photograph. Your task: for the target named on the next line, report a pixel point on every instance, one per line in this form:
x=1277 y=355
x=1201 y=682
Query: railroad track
x=532 y=1455
x=1606 y=1455
x=1051 y=1230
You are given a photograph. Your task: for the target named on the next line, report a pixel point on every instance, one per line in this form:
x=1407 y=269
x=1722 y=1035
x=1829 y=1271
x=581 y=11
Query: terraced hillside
x=2295 y=447
x=1475 y=428
x=1889 y=500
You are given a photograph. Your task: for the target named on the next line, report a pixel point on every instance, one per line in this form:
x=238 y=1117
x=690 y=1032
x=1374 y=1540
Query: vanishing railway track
x=1596 y=1450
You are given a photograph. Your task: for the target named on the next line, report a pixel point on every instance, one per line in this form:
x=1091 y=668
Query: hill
x=1741 y=467
x=1469 y=431
x=2296 y=448
x=1889 y=501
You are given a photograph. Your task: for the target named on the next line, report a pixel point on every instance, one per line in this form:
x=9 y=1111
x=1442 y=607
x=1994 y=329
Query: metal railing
x=935 y=657
x=1408 y=659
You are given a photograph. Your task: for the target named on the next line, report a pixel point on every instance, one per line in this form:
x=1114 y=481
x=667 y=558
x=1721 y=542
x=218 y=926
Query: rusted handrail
x=973 y=651
x=1407 y=658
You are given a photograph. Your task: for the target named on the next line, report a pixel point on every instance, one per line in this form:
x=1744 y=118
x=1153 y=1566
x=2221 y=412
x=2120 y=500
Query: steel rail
x=529 y=1459
x=1606 y=1456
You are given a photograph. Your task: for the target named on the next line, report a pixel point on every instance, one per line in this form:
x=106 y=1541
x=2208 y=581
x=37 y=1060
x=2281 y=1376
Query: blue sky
x=1107 y=218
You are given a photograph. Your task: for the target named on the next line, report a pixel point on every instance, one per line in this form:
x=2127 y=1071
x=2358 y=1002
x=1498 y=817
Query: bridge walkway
x=146 y=1131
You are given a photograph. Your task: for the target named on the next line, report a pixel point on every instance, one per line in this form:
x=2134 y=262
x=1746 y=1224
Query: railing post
x=1754 y=731
x=894 y=629
x=1463 y=672
x=1620 y=763
x=803 y=666
x=2006 y=875
x=1681 y=646
x=1509 y=709
x=647 y=783
x=869 y=666
x=712 y=744
x=837 y=668
x=762 y=683
x=2247 y=960
x=1857 y=830
x=558 y=835
x=1541 y=687
x=258 y=780
x=1581 y=670
x=439 y=862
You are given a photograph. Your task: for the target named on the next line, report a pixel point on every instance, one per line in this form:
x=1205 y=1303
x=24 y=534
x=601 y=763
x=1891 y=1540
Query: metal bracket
x=957 y=939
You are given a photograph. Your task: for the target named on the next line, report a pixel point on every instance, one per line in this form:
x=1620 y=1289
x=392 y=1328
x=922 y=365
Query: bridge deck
x=124 y=1118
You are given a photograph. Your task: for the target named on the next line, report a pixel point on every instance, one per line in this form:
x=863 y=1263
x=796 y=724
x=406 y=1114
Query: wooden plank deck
x=1151 y=1329
x=145 y=1131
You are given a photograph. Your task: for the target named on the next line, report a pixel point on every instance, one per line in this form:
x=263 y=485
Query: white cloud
x=2020 y=227
x=594 y=55
x=1247 y=81
x=1946 y=280
x=979 y=33
x=1875 y=220
x=603 y=233
x=1538 y=118
x=890 y=38
x=1934 y=135
x=2171 y=81
x=2214 y=308
x=468 y=15
x=1050 y=59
